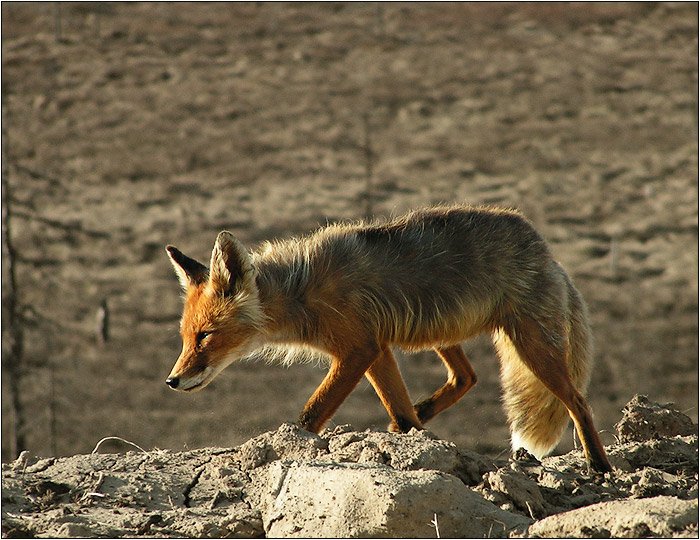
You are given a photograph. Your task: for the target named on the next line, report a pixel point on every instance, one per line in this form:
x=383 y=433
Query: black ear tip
x=175 y=254
x=172 y=251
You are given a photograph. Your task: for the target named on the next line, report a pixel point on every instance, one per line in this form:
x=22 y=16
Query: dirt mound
x=344 y=483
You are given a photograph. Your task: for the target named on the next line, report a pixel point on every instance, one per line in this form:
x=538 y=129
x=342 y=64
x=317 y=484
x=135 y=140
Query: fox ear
x=189 y=271
x=231 y=268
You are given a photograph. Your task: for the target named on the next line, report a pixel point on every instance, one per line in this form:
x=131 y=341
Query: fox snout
x=190 y=382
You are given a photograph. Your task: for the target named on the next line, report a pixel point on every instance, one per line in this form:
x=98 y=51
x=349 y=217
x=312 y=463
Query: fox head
x=222 y=317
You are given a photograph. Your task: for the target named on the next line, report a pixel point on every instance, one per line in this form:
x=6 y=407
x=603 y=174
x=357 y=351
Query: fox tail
x=537 y=418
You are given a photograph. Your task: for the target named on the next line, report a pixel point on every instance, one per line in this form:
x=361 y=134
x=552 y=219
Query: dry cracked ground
x=344 y=483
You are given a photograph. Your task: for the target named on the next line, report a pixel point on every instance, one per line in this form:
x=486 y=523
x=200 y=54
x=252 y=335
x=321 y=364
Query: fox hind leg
x=534 y=416
x=460 y=378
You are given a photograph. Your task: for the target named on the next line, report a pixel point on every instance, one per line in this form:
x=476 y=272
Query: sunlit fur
x=429 y=279
x=416 y=282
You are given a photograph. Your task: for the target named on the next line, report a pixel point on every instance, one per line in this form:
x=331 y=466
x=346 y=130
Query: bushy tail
x=537 y=418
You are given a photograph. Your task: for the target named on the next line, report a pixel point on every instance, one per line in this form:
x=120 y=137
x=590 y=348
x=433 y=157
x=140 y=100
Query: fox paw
x=402 y=425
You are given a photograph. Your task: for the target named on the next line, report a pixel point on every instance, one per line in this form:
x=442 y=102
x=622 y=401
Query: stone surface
x=659 y=516
x=370 y=501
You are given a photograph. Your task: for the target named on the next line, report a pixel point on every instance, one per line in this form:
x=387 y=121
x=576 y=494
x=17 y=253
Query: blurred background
x=126 y=127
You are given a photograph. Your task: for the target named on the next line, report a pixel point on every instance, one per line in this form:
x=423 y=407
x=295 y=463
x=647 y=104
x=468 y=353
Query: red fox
x=429 y=279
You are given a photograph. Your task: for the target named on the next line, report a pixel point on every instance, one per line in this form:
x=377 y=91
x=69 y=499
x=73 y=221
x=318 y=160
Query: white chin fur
x=197 y=383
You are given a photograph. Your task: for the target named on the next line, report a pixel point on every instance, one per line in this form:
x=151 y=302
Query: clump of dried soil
x=643 y=420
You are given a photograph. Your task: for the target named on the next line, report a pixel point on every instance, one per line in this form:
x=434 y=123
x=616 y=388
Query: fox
x=429 y=279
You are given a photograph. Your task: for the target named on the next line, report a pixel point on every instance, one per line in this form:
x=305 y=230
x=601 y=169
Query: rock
x=518 y=489
x=659 y=516
x=73 y=530
x=653 y=482
x=417 y=449
x=157 y=493
x=643 y=420
x=670 y=454
x=287 y=442
x=367 y=500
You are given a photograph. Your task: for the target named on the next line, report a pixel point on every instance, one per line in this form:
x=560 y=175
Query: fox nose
x=172 y=382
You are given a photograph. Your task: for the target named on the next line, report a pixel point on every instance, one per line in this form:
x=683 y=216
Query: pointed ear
x=189 y=271
x=231 y=268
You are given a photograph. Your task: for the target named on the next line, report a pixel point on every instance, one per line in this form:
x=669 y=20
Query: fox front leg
x=342 y=377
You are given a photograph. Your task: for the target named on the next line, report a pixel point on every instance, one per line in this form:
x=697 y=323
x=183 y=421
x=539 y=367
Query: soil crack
x=188 y=489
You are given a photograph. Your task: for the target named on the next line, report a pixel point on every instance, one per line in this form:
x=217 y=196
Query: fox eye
x=200 y=337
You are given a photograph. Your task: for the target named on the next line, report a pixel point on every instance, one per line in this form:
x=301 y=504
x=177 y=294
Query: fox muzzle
x=186 y=383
